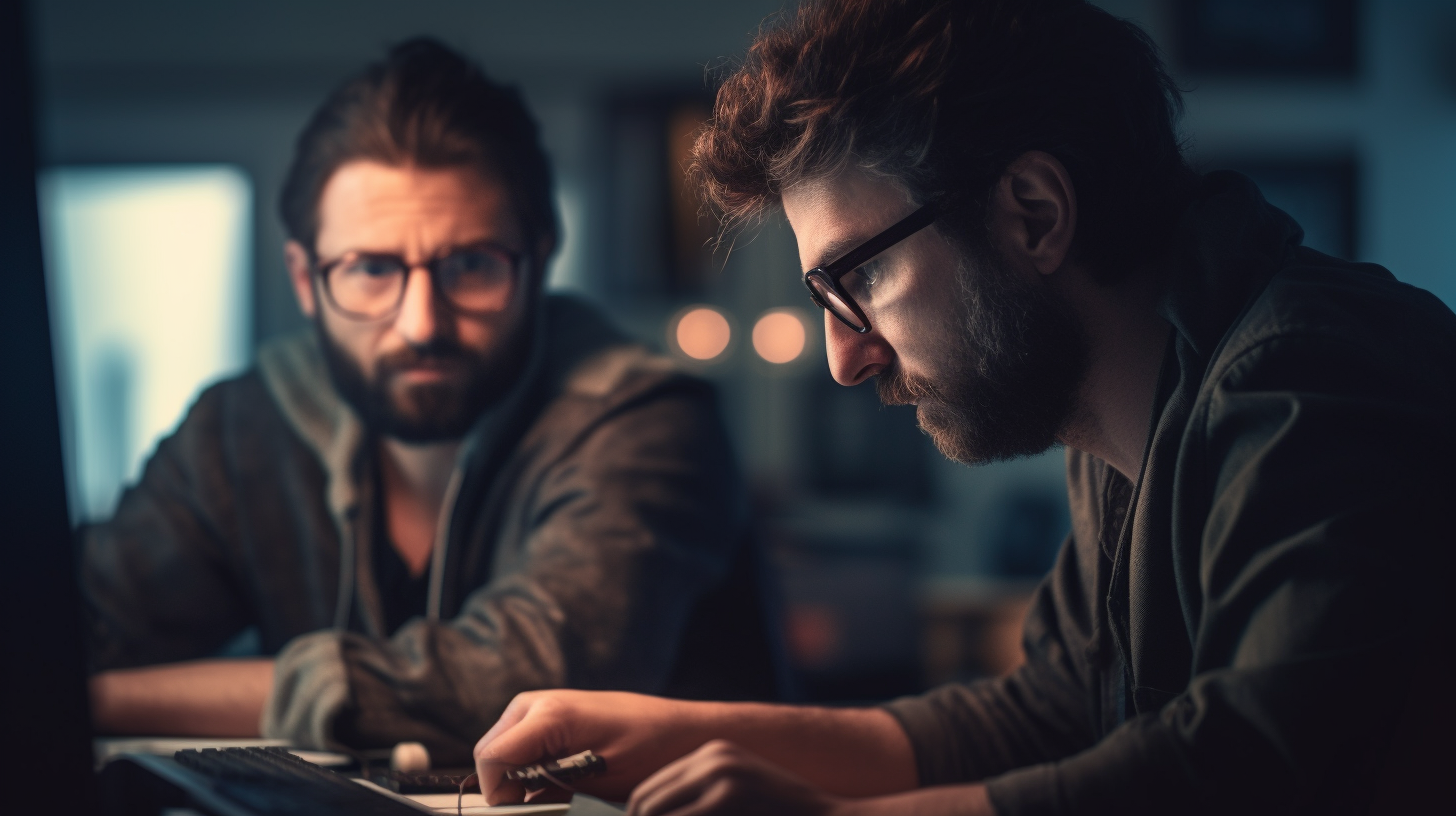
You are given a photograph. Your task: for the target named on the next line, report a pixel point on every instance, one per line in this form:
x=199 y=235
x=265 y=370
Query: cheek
x=483 y=336
x=921 y=328
x=478 y=335
x=913 y=352
x=359 y=340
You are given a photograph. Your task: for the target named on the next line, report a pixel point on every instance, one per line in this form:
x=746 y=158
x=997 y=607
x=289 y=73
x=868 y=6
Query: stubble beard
x=424 y=413
x=1007 y=383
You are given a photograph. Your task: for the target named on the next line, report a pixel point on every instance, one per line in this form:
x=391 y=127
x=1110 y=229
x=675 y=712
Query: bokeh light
x=779 y=336
x=702 y=333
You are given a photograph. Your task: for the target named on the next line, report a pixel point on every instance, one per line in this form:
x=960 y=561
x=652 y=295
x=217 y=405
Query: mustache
x=439 y=351
x=895 y=387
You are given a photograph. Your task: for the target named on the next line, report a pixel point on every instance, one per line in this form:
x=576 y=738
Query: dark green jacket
x=1261 y=623
x=594 y=538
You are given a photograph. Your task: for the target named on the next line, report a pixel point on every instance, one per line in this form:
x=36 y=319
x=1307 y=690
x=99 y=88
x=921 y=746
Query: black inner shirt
x=401 y=595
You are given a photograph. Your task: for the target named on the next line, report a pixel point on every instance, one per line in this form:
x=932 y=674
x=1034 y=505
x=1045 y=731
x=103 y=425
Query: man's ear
x=1035 y=211
x=300 y=274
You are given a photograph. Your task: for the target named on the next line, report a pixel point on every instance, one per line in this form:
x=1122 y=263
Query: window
x=148 y=269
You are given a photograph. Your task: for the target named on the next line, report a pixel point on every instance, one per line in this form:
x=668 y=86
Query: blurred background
x=166 y=127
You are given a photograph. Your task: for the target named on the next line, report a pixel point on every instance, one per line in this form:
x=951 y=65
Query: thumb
x=525 y=734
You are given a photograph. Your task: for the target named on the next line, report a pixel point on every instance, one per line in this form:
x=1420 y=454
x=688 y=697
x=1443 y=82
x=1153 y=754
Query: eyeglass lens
x=834 y=302
x=478 y=280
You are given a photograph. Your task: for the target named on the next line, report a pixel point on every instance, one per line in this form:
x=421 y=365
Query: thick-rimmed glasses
x=824 y=281
x=475 y=280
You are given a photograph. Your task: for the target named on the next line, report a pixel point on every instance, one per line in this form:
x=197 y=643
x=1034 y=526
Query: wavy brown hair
x=942 y=95
x=427 y=105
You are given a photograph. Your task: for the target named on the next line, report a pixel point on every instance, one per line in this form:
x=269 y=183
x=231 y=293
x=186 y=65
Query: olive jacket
x=594 y=537
x=1260 y=622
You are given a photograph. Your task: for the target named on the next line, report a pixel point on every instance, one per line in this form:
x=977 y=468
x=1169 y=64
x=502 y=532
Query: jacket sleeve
x=968 y=732
x=622 y=534
x=155 y=577
x=1320 y=567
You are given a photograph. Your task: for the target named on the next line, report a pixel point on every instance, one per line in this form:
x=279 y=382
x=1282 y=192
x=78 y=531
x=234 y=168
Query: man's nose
x=418 y=320
x=854 y=357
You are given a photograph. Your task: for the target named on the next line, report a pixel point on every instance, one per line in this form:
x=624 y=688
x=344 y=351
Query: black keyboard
x=270 y=781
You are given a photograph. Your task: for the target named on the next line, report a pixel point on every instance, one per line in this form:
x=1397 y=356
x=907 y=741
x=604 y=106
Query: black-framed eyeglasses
x=824 y=284
x=478 y=280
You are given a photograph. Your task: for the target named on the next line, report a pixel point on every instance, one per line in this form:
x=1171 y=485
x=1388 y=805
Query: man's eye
x=859 y=281
x=476 y=262
x=372 y=267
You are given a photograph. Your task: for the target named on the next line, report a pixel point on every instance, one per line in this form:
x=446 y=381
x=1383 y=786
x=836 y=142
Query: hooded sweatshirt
x=593 y=536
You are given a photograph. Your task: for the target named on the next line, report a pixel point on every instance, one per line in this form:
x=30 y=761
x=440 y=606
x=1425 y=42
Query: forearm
x=949 y=800
x=205 y=698
x=843 y=751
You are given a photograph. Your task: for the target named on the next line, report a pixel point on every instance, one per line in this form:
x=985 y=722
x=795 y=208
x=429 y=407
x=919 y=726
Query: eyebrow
x=446 y=249
x=834 y=250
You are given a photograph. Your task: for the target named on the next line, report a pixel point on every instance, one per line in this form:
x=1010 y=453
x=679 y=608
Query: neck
x=1127 y=341
x=419 y=472
x=415 y=478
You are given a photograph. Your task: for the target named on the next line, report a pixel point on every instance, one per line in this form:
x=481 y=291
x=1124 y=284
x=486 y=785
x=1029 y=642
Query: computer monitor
x=46 y=721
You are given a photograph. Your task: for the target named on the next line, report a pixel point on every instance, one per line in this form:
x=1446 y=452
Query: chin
x=953 y=447
x=428 y=414
x=970 y=442
x=948 y=435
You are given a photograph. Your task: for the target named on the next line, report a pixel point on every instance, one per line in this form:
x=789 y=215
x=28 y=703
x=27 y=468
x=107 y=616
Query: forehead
x=833 y=214
x=372 y=205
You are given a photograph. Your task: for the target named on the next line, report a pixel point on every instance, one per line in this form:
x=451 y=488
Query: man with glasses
x=453 y=489
x=1252 y=613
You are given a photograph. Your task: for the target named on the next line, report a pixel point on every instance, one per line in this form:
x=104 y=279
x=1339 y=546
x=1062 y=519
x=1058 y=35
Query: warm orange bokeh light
x=779 y=336
x=702 y=333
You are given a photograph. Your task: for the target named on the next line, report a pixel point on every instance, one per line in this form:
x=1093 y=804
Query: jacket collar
x=1227 y=246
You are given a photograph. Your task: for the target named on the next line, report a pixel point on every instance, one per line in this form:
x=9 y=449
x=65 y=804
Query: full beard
x=1008 y=384
x=425 y=412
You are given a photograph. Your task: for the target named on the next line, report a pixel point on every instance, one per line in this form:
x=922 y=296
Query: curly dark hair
x=426 y=105
x=943 y=95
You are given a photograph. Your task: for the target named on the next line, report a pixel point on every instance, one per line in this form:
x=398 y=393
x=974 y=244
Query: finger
x=515 y=712
x=719 y=799
x=665 y=797
x=648 y=795
x=717 y=795
x=503 y=792
x=683 y=781
x=510 y=743
x=673 y=773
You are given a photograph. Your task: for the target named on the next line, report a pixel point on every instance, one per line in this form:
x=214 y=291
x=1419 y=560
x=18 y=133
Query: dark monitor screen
x=47 y=731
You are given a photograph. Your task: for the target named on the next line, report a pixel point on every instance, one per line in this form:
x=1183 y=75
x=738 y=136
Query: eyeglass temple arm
x=899 y=231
